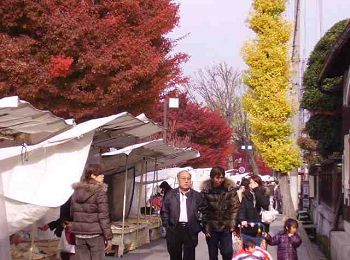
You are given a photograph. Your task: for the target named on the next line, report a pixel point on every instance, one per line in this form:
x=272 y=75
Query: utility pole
x=296 y=96
x=319 y=10
x=298 y=119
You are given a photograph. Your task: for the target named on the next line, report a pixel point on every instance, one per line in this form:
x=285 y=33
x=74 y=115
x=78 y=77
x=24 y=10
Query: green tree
x=324 y=125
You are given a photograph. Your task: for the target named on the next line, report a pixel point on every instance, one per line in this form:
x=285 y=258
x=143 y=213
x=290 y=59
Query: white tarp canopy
x=170 y=176
x=51 y=160
x=163 y=174
x=32 y=172
x=21 y=122
x=164 y=155
x=126 y=130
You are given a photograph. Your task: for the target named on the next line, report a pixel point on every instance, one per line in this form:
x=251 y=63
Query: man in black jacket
x=181 y=215
x=220 y=216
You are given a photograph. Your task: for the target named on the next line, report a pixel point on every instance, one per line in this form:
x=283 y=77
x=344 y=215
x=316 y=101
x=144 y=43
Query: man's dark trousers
x=222 y=240
x=180 y=237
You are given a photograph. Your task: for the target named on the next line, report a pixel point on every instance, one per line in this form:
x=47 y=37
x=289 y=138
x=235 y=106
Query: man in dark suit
x=181 y=215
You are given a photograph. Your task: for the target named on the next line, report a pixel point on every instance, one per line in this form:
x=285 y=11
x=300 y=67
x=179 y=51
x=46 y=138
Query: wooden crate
x=137 y=232
x=47 y=249
x=134 y=236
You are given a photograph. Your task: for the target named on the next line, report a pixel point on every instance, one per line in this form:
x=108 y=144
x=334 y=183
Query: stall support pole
x=121 y=249
x=4 y=234
x=154 y=177
x=146 y=190
x=139 y=201
x=32 y=244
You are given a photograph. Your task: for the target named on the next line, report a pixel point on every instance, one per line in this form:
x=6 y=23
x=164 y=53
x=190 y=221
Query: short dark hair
x=248 y=243
x=245 y=182
x=92 y=169
x=217 y=171
x=290 y=223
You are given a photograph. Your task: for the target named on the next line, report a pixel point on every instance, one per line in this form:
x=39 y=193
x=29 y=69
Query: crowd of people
x=222 y=210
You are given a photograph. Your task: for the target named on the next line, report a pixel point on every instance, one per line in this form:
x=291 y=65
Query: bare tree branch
x=222 y=89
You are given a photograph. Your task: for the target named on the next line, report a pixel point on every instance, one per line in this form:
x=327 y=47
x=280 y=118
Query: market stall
x=36 y=148
x=26 y=164
x=138 y=156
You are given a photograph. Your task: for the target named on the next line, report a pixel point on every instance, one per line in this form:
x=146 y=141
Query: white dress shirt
x=183 y=208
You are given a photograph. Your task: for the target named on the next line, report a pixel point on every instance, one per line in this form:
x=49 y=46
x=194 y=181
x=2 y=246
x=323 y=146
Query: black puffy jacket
x=222 y=206
x=89 y=208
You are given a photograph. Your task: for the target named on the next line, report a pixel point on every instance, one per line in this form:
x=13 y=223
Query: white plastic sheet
x=20 y=215
x=46 y=177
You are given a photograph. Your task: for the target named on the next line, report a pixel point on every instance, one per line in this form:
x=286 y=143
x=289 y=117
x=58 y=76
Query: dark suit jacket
x=170 y=211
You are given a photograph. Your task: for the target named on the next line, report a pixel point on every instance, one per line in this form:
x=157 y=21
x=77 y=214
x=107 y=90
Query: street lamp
x=246 y=148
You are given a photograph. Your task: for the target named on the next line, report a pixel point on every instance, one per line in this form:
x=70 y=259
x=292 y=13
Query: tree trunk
x=230 y=162
x=253 y=163
x=287 y=203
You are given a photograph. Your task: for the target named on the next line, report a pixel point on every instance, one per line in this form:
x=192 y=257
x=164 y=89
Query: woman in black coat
x=254 y=200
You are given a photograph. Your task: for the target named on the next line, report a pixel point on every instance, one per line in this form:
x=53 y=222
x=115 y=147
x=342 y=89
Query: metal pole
x=139 y=201
x=154 y=177
x=146 y=188
x=124 y=205
x=164 y=119
x=320 y=6
x=32 y=243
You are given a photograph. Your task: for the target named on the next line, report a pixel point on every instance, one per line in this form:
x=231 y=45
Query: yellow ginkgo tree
x=267 y=101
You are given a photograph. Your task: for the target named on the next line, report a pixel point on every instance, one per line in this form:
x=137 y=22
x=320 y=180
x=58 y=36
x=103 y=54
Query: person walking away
x=287 y=241
x=221 y=212
x=277 y=198
x=91 y=224
x=165 y=188
x=249 y=217
x=180 y=213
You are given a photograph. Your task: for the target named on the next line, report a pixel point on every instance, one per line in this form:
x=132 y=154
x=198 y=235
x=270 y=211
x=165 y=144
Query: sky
x=215 y=30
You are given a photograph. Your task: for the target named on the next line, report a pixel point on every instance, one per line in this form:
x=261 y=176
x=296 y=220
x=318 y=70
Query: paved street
x=157 y=249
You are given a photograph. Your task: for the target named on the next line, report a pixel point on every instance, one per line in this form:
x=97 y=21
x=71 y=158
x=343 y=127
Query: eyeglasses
x=185 y=179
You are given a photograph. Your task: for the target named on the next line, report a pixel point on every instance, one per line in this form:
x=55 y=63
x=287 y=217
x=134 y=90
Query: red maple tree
x=85 y=59
x=192 y=125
